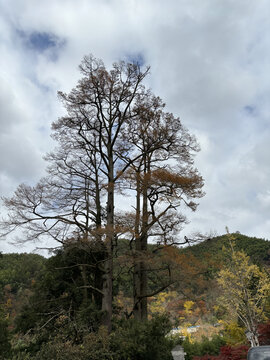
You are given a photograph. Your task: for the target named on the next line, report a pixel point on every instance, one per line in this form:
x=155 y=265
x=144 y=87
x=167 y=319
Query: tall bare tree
x=114 y=131
x=91 y=147
x=164 y=178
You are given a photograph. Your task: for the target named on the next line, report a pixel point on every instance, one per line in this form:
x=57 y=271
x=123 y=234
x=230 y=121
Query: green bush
x=134 y=340
x=130 y=340
x=206 y=346
x=95 y=346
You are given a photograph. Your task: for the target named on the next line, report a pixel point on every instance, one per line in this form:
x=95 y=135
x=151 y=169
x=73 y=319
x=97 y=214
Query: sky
x=209 y=62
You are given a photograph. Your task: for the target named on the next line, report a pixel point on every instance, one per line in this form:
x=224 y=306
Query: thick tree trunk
x=137 y=269
x=85 y=284
x=107 y=291
x=253 y=334
x=143 y=264
x=101 y=252
x=140 y=280
x=84 y=239
x=108 y=265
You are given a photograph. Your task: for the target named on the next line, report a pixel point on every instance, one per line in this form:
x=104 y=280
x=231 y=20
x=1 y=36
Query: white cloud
x=209 y=62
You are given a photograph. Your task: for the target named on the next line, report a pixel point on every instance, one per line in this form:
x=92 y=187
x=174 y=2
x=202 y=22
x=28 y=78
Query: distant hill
x=210 y=251
x=18 y=270
x=18 y=273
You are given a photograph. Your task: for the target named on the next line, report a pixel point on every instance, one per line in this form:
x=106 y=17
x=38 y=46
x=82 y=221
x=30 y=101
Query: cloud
x=209 y=62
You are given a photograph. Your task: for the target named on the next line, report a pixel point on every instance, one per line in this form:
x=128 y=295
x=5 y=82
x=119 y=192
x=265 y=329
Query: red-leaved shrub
x=227 y=353
x=264 y=334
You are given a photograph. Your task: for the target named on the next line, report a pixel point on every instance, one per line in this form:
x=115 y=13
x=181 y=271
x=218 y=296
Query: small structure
x=259 y=353
x=178 y=353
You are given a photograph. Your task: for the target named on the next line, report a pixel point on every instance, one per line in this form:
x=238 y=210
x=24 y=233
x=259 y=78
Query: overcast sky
x=209 y=62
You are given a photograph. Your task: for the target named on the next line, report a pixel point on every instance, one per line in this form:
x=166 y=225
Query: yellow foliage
x=188 y=306
x=233 y=333
x=8 y=303
x=123 y=304
x=186 y=333
x=158 y=305
x=245 y=288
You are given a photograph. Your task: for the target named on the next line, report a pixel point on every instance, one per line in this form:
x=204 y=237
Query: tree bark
x=108 y=265
x=140 y=279
x=144 y=246
x=137 y=269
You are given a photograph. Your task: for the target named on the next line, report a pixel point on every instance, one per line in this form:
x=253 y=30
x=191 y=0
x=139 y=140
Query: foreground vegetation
x=45 y=315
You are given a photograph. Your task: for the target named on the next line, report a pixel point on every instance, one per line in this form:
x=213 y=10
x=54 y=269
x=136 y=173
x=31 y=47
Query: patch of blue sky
x=39 y=42
x=136 y=58
x=250 y=110
x=42 y=41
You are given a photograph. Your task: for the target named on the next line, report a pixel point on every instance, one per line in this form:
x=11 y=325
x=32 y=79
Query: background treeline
x=44 y=313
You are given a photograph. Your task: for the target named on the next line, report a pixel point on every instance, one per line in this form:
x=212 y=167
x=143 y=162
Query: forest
x=121 y=282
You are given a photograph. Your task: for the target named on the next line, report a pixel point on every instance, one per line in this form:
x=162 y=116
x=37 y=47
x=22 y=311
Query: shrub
x=227 y=353
x=264 y=333
x=95 y=346
x=134 y=340
x=203 y=348
x=130 y=340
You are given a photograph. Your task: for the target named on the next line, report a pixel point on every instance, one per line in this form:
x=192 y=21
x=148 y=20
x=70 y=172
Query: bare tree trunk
x=108 y=265
x=85 y=284
x=137 y=269
x=140 y=280
x=254 y=340
x=252 y=333
x=101 y=252
x=144 y=239
x=107 y=288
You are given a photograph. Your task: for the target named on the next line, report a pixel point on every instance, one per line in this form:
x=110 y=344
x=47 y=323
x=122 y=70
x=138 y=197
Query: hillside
x=19 y=270
x=210 y=250
x=211 y=258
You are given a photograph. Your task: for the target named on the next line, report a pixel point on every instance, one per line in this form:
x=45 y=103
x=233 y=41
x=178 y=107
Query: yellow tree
x=245 y=290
